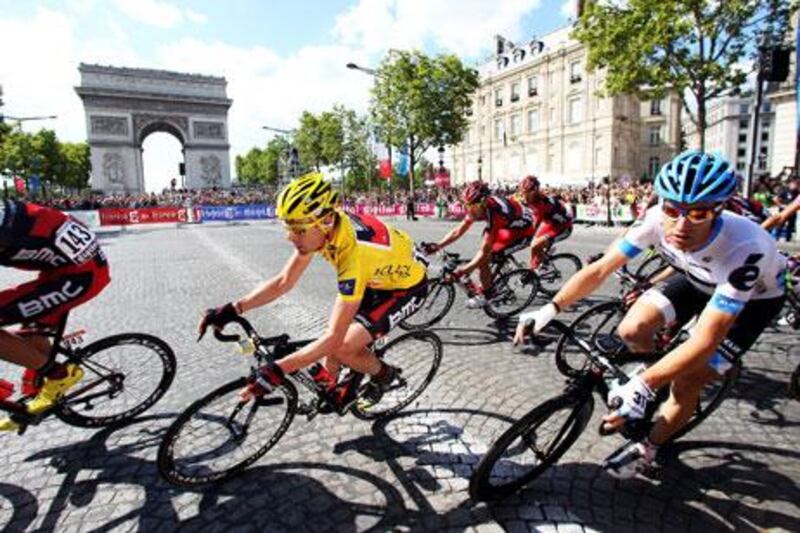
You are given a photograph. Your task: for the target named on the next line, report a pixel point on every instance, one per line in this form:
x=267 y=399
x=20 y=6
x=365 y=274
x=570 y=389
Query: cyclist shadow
x=470 y=336
x=731 y=490
x=266 y=497
x=768 y=396
x=23 y=509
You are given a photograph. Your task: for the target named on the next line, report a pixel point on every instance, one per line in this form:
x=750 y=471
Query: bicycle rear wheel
x=597 y=321
x=218 y=436
x=124 y=375
x=511 y=293
x=557 y=269
x=436 y=305
x=530 y=446
x=418 y=355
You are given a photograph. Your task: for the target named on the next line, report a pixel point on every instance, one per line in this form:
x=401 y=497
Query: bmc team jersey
x=740 y=262
x=367 y=253
x=506 y=213
x=548 y=210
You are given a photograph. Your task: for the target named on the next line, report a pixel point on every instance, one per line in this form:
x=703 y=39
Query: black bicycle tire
x=434 y=284
x=794 y=384
x=480 y=489
x=534 y=282
x=727 y=384
x=561 y=363
x=164 y=457
x=641 y=269
x=167 y=356
x=552 y=259
x=437 y=360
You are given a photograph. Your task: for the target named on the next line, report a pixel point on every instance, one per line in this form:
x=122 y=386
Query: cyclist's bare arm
x=483 y=255
x=277 y=286
x=589 y=278
x=455 y=233
x=712 y=327
x=780 y=219
x=329 y=342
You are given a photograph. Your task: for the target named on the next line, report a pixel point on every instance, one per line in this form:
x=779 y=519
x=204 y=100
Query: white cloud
x=151 y=12
x=196 y=17
x=569 y=9
x=463 y=27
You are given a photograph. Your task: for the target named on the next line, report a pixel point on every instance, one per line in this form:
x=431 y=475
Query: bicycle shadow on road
x=733 y=489
x=768 y=396
x=22 y=510
x=122 y=460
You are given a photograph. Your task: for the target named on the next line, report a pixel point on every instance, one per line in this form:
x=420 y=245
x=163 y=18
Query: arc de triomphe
x=125 y=105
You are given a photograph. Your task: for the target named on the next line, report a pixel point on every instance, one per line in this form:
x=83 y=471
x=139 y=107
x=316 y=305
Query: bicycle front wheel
x=218 y=436
x=511 y=293
x=557 y=269
x=124 y=375
x=417 y=354
x=710 y=399
x=436 y=305
x=530 y=446
x=598 y=321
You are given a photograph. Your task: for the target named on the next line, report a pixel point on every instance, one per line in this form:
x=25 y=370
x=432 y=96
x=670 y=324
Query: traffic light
x=775 y=66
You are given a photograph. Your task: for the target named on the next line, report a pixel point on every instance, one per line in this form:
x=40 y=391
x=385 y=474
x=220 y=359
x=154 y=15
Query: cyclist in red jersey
x=72 y=270
x=552 y=221
x=508 y=224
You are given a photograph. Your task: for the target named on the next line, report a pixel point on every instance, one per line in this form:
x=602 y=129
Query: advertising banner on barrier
x=146 y=215
x=90 y=218
x=599 y=214
x=210 y=213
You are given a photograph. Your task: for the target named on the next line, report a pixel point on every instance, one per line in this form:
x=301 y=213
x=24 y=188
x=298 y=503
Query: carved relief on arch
x=175 y=124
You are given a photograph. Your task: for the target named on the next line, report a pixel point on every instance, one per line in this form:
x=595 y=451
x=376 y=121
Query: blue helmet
x=695 y=176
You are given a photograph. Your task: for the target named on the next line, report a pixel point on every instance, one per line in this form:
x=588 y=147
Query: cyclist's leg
x=686 y=390
x=674 y=301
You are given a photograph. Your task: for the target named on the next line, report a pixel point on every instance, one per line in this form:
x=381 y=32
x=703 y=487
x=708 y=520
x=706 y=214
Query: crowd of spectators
x=168 y=198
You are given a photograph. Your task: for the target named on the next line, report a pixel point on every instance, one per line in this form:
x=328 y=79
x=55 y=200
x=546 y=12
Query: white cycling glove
x=630 y=400
x=540 y=317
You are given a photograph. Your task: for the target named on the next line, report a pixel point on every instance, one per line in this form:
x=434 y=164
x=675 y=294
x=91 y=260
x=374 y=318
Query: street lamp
x=294 y=161
x=20 y=120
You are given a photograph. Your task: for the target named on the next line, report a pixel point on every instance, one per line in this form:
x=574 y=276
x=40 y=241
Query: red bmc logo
x=51 y=300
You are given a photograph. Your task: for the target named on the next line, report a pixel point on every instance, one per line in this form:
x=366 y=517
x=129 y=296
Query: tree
x=419 y=102
x=359 y=162
x=694 y=47
x=309 y=141
x=75 y=165
x=263 y=166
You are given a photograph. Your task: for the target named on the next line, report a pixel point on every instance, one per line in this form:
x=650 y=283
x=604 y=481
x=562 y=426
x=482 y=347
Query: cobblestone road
x=739 y=470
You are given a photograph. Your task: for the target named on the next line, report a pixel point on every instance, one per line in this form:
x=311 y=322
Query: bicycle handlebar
x=243 y=323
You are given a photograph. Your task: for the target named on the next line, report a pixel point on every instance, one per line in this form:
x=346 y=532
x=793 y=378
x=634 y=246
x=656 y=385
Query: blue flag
x=402 y=166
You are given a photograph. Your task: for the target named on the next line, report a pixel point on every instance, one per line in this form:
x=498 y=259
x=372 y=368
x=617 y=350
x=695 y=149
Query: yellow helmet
x=306 y=199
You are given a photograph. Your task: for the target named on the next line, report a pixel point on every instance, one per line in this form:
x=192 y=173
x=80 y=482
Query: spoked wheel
x=710 y=399
x=650 y=267
x=557 y=269
x=598 y=327
x=530 y=446
x=436 y=305
x=418 y=355
x=512 y=292
x=123 y=375
x=218 y=436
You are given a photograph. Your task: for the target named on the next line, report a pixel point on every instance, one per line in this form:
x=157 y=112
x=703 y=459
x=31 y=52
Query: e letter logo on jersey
x=744 y=278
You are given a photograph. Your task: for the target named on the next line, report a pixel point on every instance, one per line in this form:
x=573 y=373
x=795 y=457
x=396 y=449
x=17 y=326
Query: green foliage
x=694 y=47
x=263 y=166
x=421 y=101
x=58 y=164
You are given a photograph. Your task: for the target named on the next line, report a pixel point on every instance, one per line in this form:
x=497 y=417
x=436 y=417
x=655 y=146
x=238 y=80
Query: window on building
x=515 y=124
x=742 y=137
x=483 y=99
x=533 y=120
x=741 y=152
x=765 y=107
x=498 y=129
x=575 y=72
x=498 y=97
x=655 y=107
x=765 y=125
x=654 y=166
x=762 y=163
x=575 y=110
x=740 y=165
x=655 y=135
x=533 y=86
x=515 y=91
x=764 y=136
x=744 y=109
x=744 y=124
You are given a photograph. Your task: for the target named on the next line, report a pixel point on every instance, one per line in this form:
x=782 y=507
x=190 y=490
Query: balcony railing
x=515 y=98
x=498 y=102
x=575 y=78
x=533 y=91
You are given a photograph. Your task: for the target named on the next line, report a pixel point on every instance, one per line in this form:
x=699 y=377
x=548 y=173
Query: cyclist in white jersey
x=728 y=271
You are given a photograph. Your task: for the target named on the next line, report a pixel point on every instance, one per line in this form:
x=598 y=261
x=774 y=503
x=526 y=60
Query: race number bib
x=76 y=242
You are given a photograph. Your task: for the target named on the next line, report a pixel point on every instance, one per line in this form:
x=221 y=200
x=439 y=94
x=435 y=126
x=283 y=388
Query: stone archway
x=125 y=105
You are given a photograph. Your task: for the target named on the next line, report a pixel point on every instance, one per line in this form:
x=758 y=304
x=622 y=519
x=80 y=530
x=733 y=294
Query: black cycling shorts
x=687 y=301
x=381 y=311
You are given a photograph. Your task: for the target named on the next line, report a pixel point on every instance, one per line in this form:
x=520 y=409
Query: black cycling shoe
x=377 y=387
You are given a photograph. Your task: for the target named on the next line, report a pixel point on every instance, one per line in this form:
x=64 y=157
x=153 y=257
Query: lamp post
x=293 y=163
x=20 y=120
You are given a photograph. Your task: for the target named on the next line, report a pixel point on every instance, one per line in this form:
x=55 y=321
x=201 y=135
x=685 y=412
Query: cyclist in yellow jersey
x=381 y=282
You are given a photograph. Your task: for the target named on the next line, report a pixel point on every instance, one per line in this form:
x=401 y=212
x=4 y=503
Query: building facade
x=783 y=98
x=538 y=111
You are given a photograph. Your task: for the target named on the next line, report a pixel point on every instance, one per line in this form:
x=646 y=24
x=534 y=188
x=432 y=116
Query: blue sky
x=279 y=57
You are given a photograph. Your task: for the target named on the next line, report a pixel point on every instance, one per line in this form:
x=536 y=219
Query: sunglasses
x=695 y=215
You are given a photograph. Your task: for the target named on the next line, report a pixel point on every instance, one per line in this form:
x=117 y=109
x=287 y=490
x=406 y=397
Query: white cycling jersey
x=740 y=262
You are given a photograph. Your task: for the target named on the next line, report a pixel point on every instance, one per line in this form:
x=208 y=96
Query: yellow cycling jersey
x=368 y=253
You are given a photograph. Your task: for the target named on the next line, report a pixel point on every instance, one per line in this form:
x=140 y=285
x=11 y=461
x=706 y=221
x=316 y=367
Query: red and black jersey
x=507 y=213
x=747 y=208
x=547 y=209
x=33 y=237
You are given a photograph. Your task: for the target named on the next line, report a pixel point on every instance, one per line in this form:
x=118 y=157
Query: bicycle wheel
x=650 y=267
x=418 y=355
x=530 y=446
x=597 y=321
x=218 y=436
x=512 y=292
x=556 y=270
x=436 y=305
x=711 y=398
x=124 y=375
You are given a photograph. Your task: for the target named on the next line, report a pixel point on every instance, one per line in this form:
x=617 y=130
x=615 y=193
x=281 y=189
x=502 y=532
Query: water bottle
x=246 y=346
